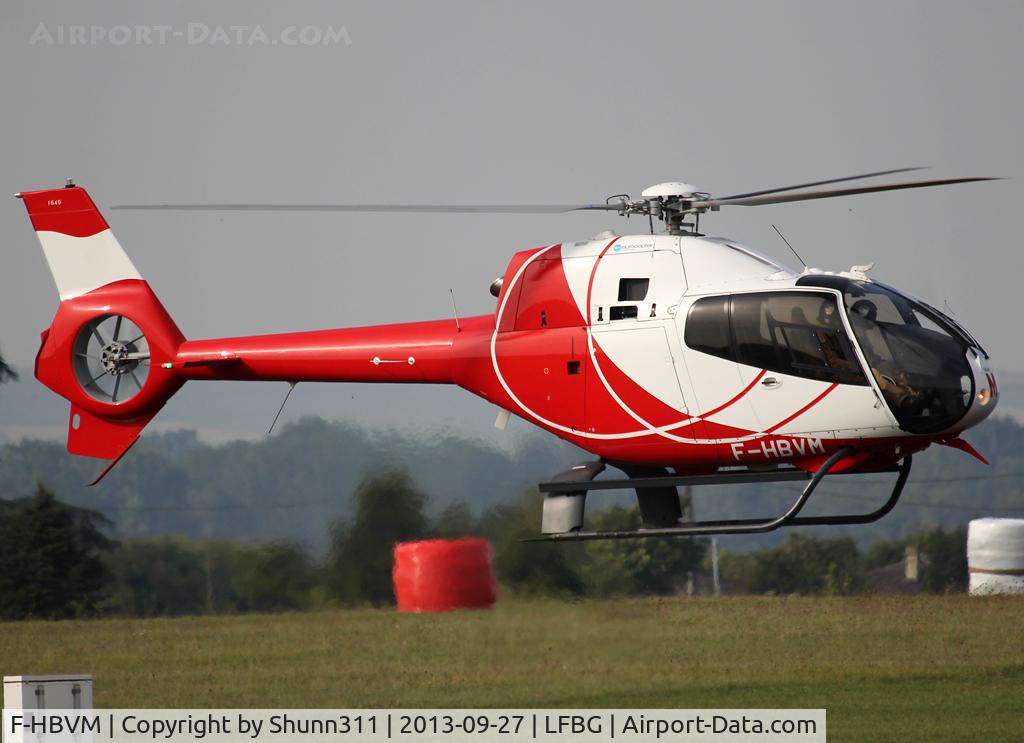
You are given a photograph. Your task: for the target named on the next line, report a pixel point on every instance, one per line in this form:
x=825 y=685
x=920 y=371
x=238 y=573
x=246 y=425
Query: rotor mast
x=670 y=203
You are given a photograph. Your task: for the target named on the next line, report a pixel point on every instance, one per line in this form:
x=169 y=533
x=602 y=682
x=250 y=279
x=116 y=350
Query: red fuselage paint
x=537 y=381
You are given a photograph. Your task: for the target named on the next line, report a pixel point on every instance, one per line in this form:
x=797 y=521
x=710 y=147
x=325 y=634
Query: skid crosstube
x=736 y=526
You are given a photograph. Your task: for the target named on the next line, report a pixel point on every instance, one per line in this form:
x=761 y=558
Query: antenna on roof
x=802 y=261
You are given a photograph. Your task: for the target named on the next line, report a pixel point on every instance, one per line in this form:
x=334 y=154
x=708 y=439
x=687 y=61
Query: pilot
x=894 y=384
x=892 y=381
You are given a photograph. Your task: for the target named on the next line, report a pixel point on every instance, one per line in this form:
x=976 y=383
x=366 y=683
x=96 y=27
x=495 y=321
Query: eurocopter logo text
x=192 y=34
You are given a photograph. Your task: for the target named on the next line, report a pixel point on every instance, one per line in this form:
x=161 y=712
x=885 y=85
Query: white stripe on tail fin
x=82 y=252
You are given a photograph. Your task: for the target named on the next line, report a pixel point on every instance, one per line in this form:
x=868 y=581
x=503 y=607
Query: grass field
x=899 y=668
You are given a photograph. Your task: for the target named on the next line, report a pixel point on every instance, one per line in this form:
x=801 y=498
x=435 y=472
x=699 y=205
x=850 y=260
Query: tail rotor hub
x=119 y=358
x=111 y=358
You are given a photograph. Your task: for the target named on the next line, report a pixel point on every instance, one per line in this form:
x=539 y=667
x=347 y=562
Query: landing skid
x=565 y=497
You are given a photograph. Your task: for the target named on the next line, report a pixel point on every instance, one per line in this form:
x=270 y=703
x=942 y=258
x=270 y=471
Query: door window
x=795 y=333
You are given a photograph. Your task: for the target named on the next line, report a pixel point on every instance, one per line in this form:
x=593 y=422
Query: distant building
x=899 y=577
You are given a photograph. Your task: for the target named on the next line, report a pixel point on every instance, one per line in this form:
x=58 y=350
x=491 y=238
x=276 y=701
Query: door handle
x=770 y=382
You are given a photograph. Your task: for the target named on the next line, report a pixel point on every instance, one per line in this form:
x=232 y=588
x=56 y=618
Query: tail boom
x=419 y=352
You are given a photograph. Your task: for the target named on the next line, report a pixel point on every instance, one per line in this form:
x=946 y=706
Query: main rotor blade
x=416 y=208
x=780 y=199
x=822 y=183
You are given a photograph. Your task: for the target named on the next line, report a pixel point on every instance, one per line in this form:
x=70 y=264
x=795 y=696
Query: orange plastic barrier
x=443 y=574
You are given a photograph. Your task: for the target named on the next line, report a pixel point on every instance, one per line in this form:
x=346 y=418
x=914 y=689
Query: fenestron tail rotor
x=671 y=203
x=111 y=358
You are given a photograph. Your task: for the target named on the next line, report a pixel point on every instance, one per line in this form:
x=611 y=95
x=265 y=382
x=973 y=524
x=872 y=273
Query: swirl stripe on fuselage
x=649 y=429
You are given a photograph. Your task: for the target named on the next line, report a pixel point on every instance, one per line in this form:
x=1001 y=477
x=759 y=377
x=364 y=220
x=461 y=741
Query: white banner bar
x=409 y=725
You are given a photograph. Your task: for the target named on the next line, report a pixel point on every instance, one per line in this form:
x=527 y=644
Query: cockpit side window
x=795 y=333
x=916 y=356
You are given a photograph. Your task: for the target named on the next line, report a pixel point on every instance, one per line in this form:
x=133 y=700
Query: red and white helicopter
x=676 y=357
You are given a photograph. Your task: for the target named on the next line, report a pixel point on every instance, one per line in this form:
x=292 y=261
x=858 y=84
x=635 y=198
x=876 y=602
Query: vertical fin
x=82 y=252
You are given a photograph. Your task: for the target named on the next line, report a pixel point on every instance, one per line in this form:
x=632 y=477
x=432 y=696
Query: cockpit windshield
x=916 y=355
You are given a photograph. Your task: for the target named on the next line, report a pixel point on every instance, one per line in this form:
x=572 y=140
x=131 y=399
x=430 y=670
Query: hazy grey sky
x=501 y=102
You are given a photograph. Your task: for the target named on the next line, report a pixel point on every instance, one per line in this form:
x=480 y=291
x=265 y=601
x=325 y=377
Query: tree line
x=290 y=485
x=57 y=562
x=836 y=567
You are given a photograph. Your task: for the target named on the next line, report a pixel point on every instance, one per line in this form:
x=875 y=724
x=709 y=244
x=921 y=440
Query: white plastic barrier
x=68 y=691
x=995 y=556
